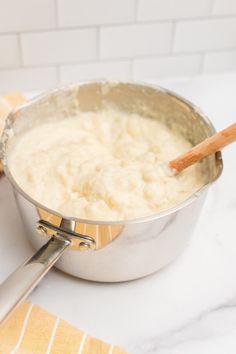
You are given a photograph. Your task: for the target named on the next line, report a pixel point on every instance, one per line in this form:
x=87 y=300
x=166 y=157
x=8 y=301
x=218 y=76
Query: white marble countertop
x=187 y=308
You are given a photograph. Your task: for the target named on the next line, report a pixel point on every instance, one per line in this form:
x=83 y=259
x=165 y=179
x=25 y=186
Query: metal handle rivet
x=42 y=230
x=83 y=246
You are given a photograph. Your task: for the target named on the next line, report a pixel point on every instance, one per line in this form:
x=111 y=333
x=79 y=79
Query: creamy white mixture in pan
x=103 y=166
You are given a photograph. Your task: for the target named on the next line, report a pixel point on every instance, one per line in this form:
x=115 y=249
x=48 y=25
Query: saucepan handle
x=20 y=283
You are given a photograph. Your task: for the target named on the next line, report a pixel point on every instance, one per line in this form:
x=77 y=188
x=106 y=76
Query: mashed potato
x=103 y=166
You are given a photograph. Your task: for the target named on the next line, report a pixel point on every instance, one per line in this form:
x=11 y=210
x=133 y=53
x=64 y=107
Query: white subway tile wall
x=27 y=15
x=172 y=9
x=155 y=68
x=135 y=40
x=58 y=47
x=9 y=51
x=28 y=79
x=46 y=43
x=204 y=35
x=219 y=61
x=224 y=7
x=97 y=70
x=76 y=13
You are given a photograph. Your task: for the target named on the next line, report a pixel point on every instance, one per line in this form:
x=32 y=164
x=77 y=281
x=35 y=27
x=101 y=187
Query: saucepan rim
x=189 y=200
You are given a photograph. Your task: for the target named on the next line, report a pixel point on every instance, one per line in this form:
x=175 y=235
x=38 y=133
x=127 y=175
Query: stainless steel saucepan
x=102 y=250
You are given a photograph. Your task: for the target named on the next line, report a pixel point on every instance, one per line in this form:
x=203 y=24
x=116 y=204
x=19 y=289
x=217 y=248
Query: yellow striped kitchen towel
x=32 y=330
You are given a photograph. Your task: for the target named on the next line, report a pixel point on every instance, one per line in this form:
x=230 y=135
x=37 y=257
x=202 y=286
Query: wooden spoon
x=207 y=147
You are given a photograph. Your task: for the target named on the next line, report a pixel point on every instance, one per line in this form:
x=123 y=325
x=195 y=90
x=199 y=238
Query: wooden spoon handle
x=207 y=147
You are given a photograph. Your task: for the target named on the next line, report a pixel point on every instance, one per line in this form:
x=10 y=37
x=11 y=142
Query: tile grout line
x=19 y=43
x=131 y=69
x=173 y=29
x=136 y=6
x=56 y=14
x=98 y=40
x=58 y=74
x=212 y=8
x=119 y=59
x=201 y=64
x=128 y=23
